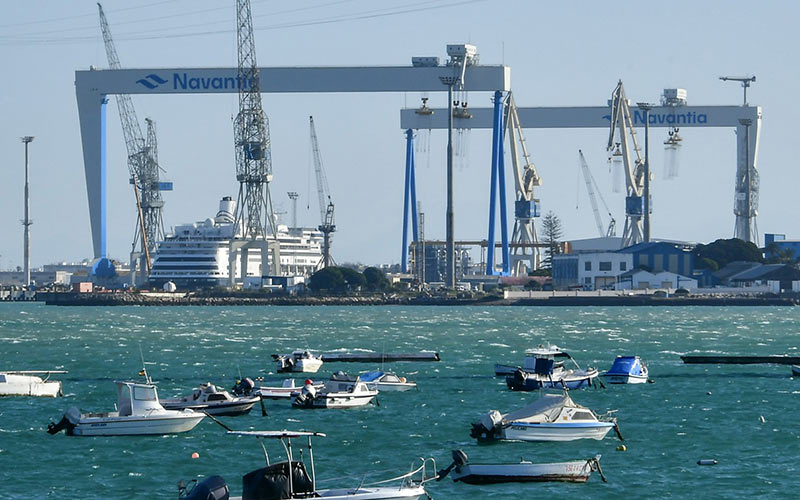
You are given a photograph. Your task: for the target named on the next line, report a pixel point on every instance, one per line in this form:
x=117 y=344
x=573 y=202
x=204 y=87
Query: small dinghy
x=212 y=401
x=29 y=383
x=576 y=471
x=795 y=371
x=387 y=382
x=542 y=370
x=552 y=417
x=627 y=370
x=341 y=391
x=292 y=479
x=285 y=391
x=298 y=361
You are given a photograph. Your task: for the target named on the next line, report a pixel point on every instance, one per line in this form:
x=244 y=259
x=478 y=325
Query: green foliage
x=723 y=252
x=328 y=279
x=376 y=279
x=706 y=263
x=353 y=278
x=551 y=236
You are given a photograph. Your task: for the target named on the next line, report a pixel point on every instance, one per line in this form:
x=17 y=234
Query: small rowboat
x=795 y=371
x=576 y=471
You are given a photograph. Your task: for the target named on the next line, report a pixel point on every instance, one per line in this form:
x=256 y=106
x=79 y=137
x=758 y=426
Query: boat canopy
x=545 y=409
x=136 y=399
x=551 y=350
x=626 y=365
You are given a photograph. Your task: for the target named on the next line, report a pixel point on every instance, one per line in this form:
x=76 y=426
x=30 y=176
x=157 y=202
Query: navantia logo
x=151 y=81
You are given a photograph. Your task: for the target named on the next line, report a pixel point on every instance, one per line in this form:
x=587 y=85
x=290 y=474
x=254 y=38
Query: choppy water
x=691 y=412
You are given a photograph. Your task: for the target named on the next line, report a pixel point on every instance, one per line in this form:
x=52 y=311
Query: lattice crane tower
x=254 y=213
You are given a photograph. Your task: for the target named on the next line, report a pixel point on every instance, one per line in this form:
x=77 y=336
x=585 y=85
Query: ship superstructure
x=196 y=255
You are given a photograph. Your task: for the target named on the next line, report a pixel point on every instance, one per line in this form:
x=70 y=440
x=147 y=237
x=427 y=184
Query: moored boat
x=138 y=413
x=341 y=391
x=298 y=361
x=541 y=369
x=387 y=382
x=575 y=471
x=286 y=390
x=626 y=370
x=29 y=383
x=291 y=479
x=795 y=371
x=212 y=401
x=552 y=417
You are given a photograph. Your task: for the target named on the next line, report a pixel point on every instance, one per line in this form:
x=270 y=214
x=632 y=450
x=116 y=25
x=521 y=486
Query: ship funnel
x=226 y=209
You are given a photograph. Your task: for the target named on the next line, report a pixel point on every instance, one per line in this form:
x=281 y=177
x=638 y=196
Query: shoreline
x=182 y=299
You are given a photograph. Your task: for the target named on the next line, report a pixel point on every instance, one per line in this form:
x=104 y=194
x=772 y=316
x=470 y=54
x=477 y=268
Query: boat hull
x=43 y=389
x=303 y=366
x=222 y=409
x=523 y=431
x=344 y=400
x=392 y=386
x=136 y=426
x=575 y=472
x=624 y=378
x=795 y=371
x=367 y=493
x=573 y=379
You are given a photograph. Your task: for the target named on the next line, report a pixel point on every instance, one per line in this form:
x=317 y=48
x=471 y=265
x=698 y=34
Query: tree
x=376 y=279
x=551 y=236
x=352 y=278
x=328 y=278
x=725 y=251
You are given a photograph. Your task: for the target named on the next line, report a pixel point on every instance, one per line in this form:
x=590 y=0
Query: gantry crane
x=591 y=186
x=526 y=207
x=254 y=218
x=325 y=209
x=626 y=145
x=142 y=165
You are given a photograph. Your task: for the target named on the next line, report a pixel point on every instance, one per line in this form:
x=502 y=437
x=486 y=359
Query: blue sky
x=560 y=53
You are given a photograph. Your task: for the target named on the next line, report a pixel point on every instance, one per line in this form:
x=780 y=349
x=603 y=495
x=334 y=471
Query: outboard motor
x=212 y=488
x=307 y=394
x=460 y=459
x=488 y=428
x=68 y=422
x=243 y=387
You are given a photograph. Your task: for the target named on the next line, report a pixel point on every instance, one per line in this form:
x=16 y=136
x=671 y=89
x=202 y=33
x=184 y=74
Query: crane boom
x=592 y=188
x=326 y=211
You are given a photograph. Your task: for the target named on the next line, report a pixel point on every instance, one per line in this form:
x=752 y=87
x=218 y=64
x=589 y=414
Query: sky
x=568 y=53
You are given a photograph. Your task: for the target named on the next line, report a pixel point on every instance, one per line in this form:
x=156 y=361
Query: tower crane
x=142 y=164
x=254 y=217
x=591 y=186
x=325 y=210
x=526 y=207
x=626 y=145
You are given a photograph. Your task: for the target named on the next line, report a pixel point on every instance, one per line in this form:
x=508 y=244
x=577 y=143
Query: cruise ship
x=196 y=255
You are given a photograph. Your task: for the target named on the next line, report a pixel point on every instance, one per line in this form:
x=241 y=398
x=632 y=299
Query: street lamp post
x=27 y=221
x=646 y=107
x=450 y=260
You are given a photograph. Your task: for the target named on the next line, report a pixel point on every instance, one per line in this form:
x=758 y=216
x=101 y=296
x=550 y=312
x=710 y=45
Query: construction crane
x=745 y=81
x=254 y=217
x=325 y=209
x=622 y=142
x=591 y=186
x=526 y=207
x=143 y=165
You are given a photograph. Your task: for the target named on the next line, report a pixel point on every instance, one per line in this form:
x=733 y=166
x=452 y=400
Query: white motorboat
x=627 y=370
x=552 y=417
x=387 y=382
x=213 y=401
x=341 y=391
x=138 y=413
x=575 y=471
x=298 y=361
x=275 y=480
x=286 y=390
x=28 y=383
x=541 y=369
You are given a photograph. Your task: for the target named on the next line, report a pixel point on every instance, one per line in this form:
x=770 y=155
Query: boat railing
x=409 y=478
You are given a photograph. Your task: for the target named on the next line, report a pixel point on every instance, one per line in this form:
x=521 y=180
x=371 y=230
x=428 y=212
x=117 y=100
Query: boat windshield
x=144 y=393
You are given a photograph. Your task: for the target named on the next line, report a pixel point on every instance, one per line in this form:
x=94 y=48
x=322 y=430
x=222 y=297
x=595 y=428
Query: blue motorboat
x=627 y=370
x=547 y=373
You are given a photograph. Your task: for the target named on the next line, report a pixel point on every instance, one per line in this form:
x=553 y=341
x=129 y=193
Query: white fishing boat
x=298 y=361
x=552 y=417
x=29 y=383
x=212 y=401
x=626 y=370
x=291 y=479
x=341 y=391
x=138 y=413
x=288 y=389
x=542 y=369
x=387 y=382
x=575 y=471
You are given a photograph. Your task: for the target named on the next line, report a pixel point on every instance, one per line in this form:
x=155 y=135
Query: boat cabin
x=542 y=361
x=136 y=399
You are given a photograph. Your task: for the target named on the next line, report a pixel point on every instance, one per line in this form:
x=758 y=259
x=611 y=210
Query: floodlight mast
x=745 y=80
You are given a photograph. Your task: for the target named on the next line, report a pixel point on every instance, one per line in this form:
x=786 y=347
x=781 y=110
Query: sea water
x=690 y=412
